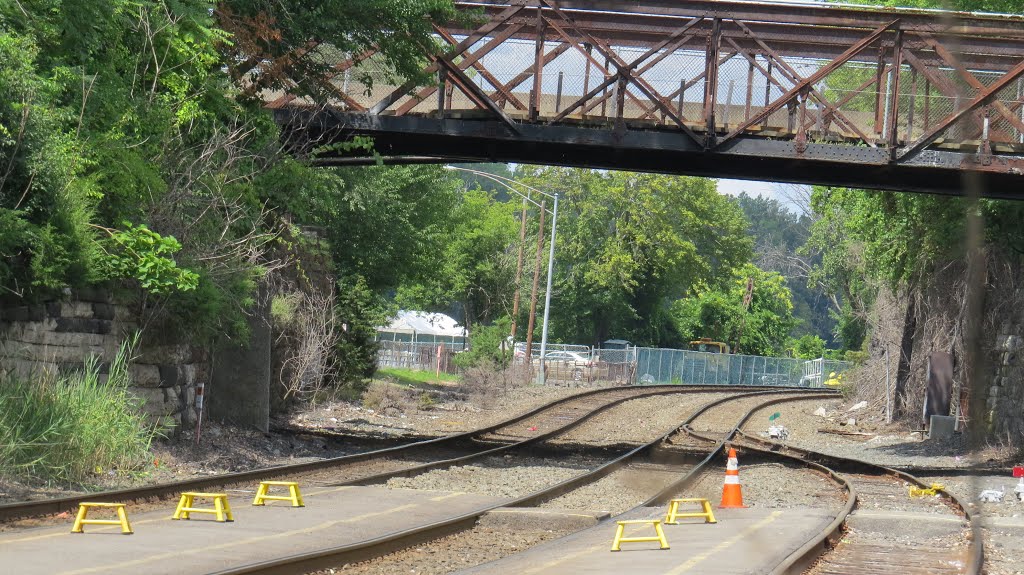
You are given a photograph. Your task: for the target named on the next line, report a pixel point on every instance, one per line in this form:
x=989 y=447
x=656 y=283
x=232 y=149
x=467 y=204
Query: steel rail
x=10 y=511
x=814 y=547
x=378 y=546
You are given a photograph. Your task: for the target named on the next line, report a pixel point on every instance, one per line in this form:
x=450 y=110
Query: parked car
x=570 y=365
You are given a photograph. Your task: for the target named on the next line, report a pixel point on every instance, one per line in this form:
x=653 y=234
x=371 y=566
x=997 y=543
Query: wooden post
x=913 y=105
x=879 y=90
x=893 y=110
x=711 y=83
x=558 y=94
x=682 y=92
x=538 y=63
x=767 y=93
x=519 y=272
x=750 y=91
x=442 y=77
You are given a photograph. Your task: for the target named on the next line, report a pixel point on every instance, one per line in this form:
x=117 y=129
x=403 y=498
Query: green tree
x=808 y=347
x=779 y=234
x=717 y=313
x=477 y=264
x=629 y=244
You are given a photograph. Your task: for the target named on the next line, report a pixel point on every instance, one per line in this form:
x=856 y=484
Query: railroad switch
x=293 y=493
x=83 y=511
x=620 y=531
x=673 y=511
x=221 y=508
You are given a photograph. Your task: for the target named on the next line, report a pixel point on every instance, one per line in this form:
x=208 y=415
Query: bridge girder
x=890 y=99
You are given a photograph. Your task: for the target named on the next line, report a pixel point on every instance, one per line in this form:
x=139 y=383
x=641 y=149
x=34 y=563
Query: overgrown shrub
x=486 y=346
x=485 y=382
x=67 y=428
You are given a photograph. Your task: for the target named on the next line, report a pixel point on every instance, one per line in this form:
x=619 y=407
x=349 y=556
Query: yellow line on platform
x=724 y=544
x=448 y=496
x=238 y=542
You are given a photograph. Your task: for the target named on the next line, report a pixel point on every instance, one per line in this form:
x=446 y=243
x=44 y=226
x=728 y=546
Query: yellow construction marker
x=221 y=508
x=673 y=511
x=83 y=510
x=619 y=539
x=293 y=489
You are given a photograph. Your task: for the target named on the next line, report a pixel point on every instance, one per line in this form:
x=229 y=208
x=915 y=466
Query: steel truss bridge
x=914 y=100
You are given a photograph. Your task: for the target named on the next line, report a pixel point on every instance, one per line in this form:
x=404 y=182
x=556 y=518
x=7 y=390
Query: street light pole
x=547 y=294
x=551 y=257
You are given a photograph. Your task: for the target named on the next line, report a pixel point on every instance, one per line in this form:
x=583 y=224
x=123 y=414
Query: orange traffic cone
x=732 y=493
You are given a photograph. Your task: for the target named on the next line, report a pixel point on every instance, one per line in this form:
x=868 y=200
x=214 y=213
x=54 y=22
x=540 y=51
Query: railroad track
x=879 y=494
x=549 y=419
x=379 y=546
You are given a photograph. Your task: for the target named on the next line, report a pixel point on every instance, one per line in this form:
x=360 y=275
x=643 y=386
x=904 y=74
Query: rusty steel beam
x=951 y=60
x=978 y=52
x=810 y=80
x=982 y=98
x=469 y=59
x=468 y=41
x=996 y=26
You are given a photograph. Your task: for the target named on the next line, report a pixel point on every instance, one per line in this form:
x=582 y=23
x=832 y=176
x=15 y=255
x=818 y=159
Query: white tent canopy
x=423 y=325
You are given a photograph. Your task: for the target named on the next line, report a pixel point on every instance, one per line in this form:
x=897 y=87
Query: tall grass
x=65 y=428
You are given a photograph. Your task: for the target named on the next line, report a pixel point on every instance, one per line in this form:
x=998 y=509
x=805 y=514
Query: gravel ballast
x=620 y=490
x=637 y=421
x=510 y=476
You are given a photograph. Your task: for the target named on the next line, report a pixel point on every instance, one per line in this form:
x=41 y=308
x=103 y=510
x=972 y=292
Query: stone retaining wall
x=57 y=337
x=1005 y=401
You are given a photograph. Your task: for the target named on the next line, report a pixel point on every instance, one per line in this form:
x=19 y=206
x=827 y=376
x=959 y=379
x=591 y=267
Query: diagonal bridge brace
x=404 y=89
x=791 y=75
x=807 y=83
x=625 y=71
x=469 y=59
x=982 y=98
x=968 y=77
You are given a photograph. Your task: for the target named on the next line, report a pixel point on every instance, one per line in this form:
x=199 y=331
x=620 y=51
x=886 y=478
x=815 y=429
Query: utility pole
x=519 y=272
x=536 y=282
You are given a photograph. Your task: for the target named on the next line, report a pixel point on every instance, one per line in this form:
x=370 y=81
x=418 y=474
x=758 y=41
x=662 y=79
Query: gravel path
x=619 y=491
x=637 y=421
x=443 y=418
x=720 y=419
x=891 y=448
x=498 y=476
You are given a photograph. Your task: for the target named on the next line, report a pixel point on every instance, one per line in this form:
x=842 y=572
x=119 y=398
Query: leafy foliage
x=144 y=255
x=629 y=244
x=718 y=313
x=487 y=346
x=292 y=45
x=809 y=347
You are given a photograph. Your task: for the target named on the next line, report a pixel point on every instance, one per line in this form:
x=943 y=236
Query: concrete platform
x=743 y=542
x=161 y=546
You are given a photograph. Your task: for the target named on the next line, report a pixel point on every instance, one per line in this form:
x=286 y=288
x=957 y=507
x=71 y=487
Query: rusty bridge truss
x=808 y=93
